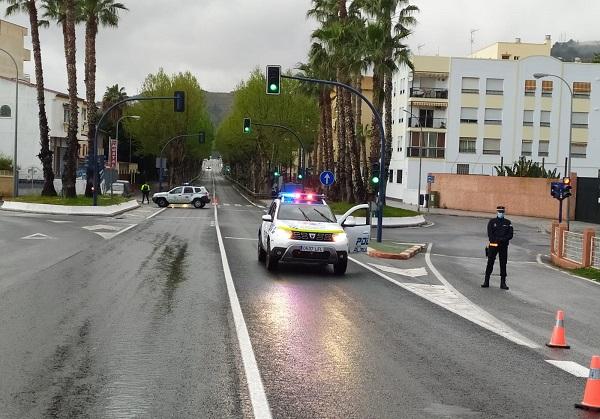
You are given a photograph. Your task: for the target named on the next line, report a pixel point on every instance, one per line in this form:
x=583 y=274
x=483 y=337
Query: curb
x=407 y=254
x=107 y=211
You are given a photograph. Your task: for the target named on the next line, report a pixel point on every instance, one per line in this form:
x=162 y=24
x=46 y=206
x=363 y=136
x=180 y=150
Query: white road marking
x=36 y=236
x=102 y=227
x=113 y=231
x=241 y=238
x=524 y=262
x=413 y=273
x=571 y=367
x=238 y=205
x=446 y=296
x=59 y=221
x=539 y=261
x=247 y=199
x=225 y=205
x=156 y=213
x=258 y=398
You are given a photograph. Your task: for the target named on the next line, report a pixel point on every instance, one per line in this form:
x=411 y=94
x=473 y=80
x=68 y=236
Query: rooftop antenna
x=472 y=40
x=419 y=48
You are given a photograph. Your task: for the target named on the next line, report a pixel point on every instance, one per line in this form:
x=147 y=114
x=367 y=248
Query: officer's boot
x=503 y=284
x=486 y=282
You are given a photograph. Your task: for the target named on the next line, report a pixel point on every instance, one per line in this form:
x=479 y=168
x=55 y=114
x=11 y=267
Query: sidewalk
x=544 y=224
x=106 y=211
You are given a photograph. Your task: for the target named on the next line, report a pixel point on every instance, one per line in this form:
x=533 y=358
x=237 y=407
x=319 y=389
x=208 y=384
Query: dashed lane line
x=156 y=213
x=571 y=367
x=258 y=398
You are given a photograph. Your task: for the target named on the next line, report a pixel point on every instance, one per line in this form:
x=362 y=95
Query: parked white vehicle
x=198 y=196
x=302 y=228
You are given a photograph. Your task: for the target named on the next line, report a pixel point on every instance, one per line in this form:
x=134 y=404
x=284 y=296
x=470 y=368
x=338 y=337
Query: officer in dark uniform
x=500 y=232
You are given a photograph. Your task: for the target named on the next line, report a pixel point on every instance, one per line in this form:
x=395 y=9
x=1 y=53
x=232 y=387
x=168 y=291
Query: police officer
x=145 y=192
x=500 y=232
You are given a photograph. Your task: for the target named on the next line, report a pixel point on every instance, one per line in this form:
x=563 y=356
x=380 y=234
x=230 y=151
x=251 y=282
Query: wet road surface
x=140 y=325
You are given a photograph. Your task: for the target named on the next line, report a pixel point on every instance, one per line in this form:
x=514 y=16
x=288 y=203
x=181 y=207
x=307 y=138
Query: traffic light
x=273 y=79
x=375 y=173
x=247 y=126
x=556 y=189
x=179 y=102
x=566 y=186
x=201 y=137
x=276 y=173
x=300 y=174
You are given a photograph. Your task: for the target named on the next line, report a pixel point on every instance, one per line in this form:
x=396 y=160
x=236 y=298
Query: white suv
x=301 y=228
x=198 y=196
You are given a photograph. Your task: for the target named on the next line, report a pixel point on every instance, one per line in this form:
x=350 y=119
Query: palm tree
x=45 y=155
x=95 y=13
x=67 y=13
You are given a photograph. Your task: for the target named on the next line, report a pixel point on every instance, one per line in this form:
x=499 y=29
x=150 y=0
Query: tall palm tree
x=45 y=155
x=67 y=13
x=95 y=13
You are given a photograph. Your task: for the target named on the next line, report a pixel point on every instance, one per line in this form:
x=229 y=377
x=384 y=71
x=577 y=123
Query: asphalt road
x=138 y=322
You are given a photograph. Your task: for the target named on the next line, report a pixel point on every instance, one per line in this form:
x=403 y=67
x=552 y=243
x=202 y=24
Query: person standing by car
x=500 y=233
x=145 y=192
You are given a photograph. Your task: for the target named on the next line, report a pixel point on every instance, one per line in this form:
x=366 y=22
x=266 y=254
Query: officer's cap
x=500 y=208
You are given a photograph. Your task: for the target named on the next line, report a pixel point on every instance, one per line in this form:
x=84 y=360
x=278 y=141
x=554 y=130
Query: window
x=582 y=89
x=468 y=115
x=491 y=146
x=391 y=178
x=530 y=86
x=494 y=86
x=470 y=85
x=66 y=113
x=398 y=176
x=545 y=119
x=467 y=145
x=506 y=56
x=527 y=118
x=84 y=114
x=526 y=147
x=462 y=169
x=400 y=141
x=433 y=145
x=188 y=189
x=176 y=190
x=493 y=116
x=580 y=119
x=578 y=150
x=5 y=111
x=547 y=86
x=516 y=57
x=543 y=147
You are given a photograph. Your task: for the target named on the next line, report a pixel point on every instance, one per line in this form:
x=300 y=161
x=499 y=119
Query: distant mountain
x=219 y=105
x=568 y=51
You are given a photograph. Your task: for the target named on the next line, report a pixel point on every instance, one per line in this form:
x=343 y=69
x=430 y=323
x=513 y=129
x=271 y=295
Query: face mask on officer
x=500 y=214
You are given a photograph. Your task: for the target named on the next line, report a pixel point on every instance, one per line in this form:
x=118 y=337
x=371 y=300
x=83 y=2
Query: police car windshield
x=306 y=212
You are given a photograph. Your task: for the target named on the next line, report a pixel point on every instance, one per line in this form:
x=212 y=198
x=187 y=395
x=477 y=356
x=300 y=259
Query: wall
x=12 y=39
x=521 y=196
x=6 y=186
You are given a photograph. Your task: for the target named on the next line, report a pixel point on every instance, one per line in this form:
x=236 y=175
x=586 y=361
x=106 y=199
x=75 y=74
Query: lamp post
x=15 y=170
x=420 y=158
x=568 y=174
x=136 y=117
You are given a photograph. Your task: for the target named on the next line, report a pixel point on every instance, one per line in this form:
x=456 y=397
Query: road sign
x=430 y=178
x=112 y=153
x=327 y=178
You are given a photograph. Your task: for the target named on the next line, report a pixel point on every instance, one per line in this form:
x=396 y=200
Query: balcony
x=428 y=93
x=436 y=123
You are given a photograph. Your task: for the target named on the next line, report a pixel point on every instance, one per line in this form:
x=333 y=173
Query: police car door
x=266 y=225
x=356 y=228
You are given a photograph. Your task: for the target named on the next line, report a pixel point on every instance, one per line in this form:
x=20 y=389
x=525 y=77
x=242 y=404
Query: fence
x=574 y=250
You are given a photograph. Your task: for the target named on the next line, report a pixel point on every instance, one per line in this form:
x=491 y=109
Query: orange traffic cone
x=557 y=340
x=591 y=396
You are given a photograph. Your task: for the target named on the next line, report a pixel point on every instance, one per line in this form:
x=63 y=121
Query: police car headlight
x=284 y=234
x=339 y=237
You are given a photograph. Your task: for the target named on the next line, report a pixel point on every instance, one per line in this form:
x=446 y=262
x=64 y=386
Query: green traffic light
x=276 y=174
x=246 y=129
x=300 y=176
x=273 y=87
x=375 y=179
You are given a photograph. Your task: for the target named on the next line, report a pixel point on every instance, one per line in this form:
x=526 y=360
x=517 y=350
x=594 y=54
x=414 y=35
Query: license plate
x=311 y=248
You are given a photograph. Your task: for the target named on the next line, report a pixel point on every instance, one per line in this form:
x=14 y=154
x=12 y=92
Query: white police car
x=198 y=196
x=300 y=227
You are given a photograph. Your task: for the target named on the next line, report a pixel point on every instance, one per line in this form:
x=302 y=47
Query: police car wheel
x=270 y=259
x=162 y=202
x=198 y=203
x=339 y=268
x=262 y=255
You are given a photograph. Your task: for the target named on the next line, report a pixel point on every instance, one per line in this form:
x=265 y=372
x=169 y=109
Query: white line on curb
x=247 y=199
x=156 y=213
x=571 y=367
x=241 y=238
x=539 y=260
x=258 y=398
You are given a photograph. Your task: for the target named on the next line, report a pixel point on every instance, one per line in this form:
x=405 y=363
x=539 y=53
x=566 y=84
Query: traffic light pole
x=160 y=175
x=383 y=173
x=98 y=126
x=295 y=134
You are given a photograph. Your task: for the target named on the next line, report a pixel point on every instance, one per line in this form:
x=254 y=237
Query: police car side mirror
x=267 y=218
x=349 y=222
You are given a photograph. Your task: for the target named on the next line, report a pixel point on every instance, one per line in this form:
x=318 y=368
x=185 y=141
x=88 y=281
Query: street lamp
x=136 y=117
x=568 y=174
x=15 y=170
x=420 y=157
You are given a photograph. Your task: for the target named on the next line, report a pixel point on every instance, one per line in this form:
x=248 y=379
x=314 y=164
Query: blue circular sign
x=327 y=178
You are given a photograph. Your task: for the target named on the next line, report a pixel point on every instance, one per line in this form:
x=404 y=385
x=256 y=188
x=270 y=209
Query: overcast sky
x=222 y=41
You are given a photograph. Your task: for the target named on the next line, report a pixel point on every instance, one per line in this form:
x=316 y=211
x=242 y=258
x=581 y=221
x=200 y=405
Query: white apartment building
x=57 y=109
x=478 y=112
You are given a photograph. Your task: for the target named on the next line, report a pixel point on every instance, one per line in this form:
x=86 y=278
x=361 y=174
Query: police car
x=198 y=196
x=301 y=228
